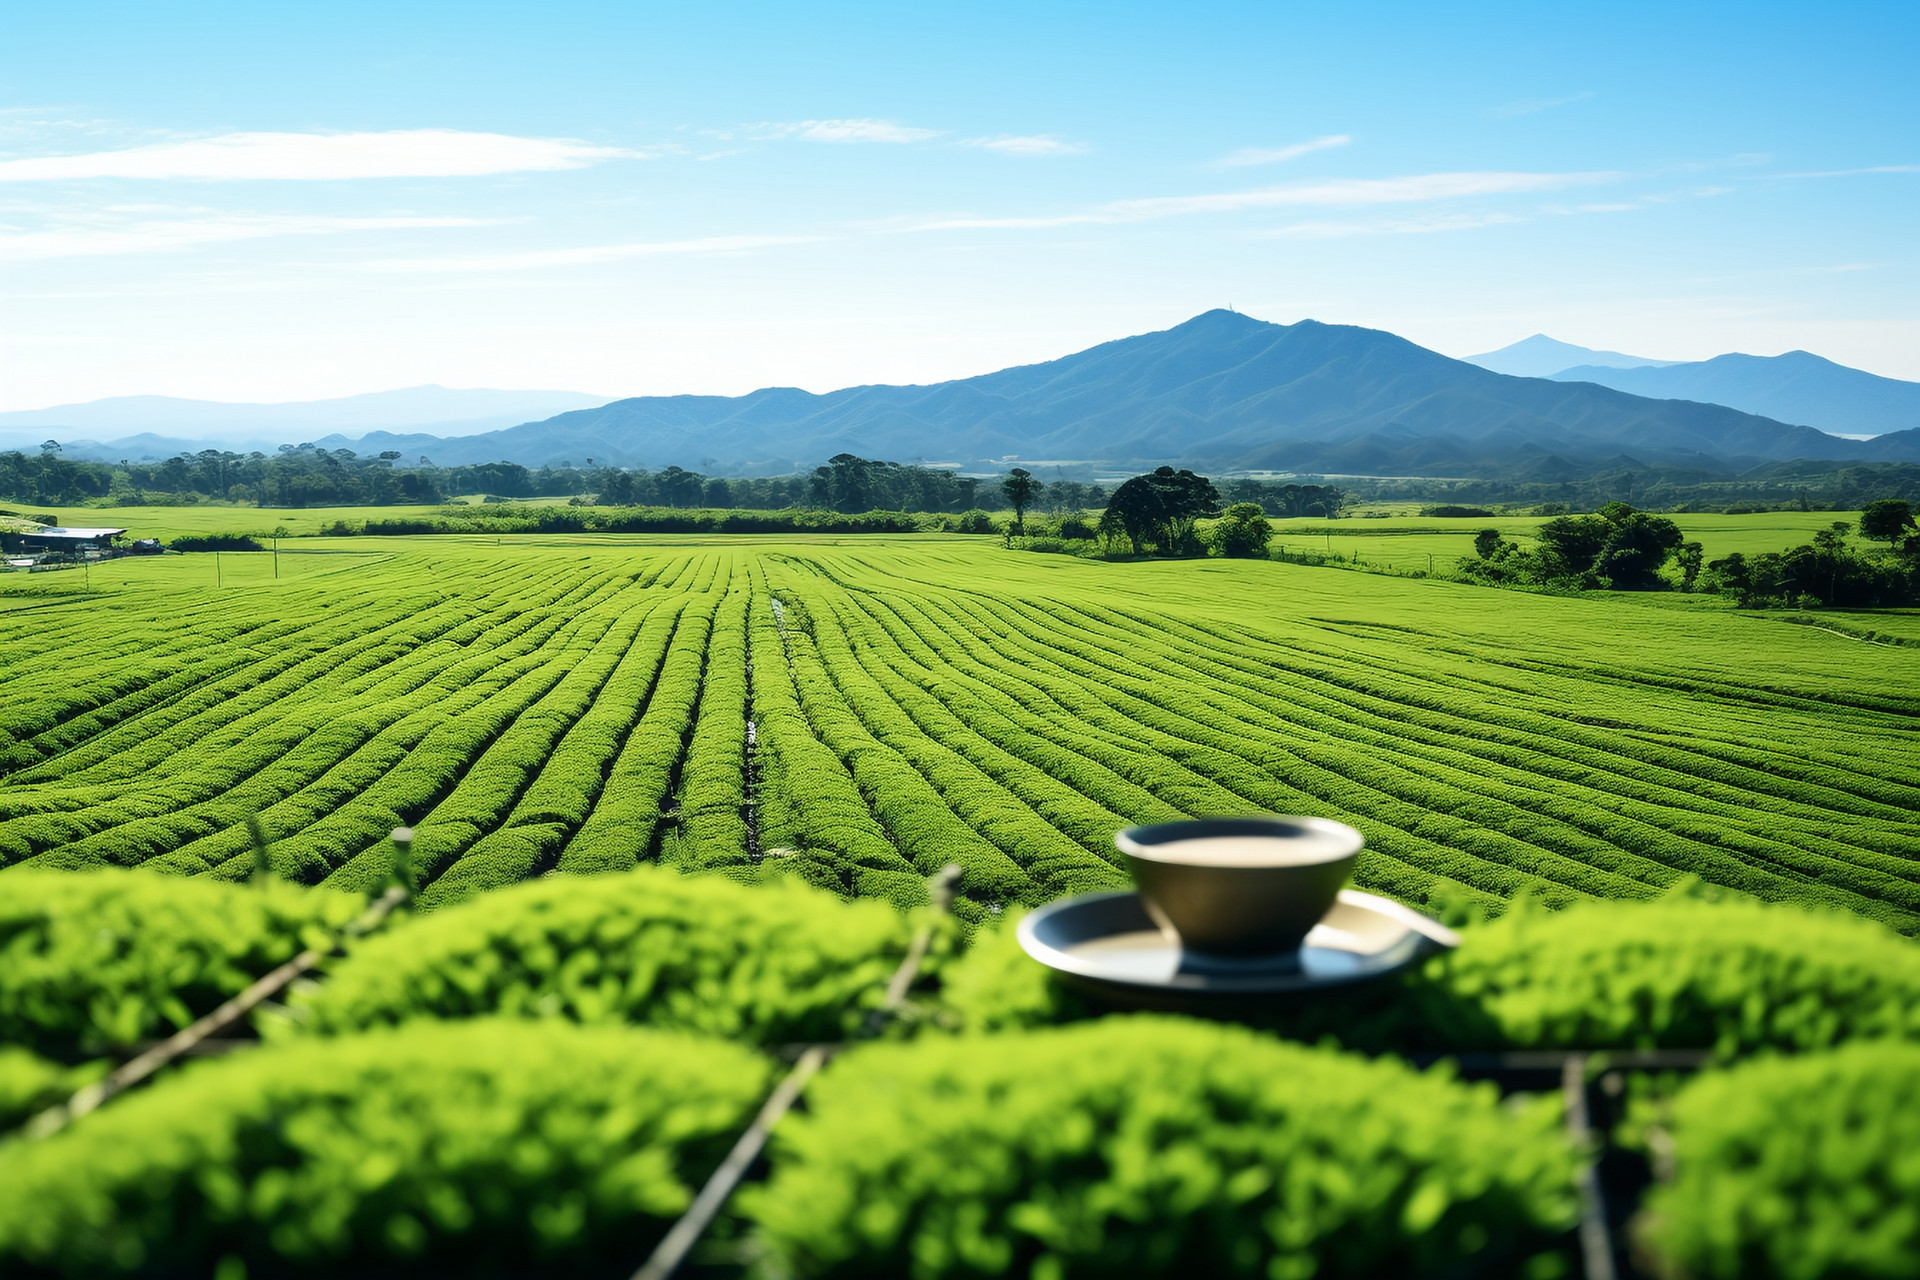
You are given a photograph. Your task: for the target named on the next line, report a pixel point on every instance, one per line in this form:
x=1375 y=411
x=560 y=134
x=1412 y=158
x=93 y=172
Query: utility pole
x=216 y=570
x=276 y=559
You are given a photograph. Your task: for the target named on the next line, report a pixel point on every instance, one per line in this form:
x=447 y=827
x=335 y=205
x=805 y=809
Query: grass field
x=1404 y=540
x=859 y=711
x=1412 y=542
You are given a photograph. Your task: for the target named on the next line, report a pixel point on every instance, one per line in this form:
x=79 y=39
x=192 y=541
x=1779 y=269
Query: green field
x=1409 y=542
x=859 y=711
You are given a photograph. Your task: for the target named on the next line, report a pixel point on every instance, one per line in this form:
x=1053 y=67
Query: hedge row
x=1136 y=1145
x=768 y=964
x=713 y=828
x=1801 y=1168
x=1682 y=973
x=910 y=720
x=1154 y=1146
x=466 y=1148
x=620 y=831
x=813 y=819
x=95 y=961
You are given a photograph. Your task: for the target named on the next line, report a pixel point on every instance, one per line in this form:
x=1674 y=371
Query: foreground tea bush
x=29 y=1083
x=463 y=1149
x=1157 y=1146
x=766 y=963
x=100 y=959
x=1794 y=1168
x=1676 y=974
x=1683 y=973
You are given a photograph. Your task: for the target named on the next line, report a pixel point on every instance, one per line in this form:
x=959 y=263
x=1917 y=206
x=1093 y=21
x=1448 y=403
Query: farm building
x=56 y=538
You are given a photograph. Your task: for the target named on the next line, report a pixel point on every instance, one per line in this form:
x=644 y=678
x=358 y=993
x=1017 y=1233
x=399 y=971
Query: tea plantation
x=677 y=802
x=860 y=714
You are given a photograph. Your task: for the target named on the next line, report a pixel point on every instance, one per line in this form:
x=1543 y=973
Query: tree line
x=1625 y=549
x=310 y=475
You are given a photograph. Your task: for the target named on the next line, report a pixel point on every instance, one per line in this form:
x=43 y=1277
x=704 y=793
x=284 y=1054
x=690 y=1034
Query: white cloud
x=403 y=153
x=1390 y=227
x=584 y=256
x=1413 y=189
x=842 y=131
x=1848 y=173
x=1248 y=156
x=1028 y=145
x=1527 y=106
x=161 y=235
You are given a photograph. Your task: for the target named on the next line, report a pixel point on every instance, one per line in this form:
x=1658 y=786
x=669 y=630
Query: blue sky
x=287 y=201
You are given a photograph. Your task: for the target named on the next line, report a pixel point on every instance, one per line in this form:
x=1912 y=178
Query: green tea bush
x=1682 y=973
x=101 y=959
x=768 y=963
x=1797 y=1168
x=1157 y=1146
x=30 y=1083
x=451 y=1149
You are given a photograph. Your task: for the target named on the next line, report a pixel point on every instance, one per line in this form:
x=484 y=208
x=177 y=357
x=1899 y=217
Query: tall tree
x=1891 y=521
x=1184 y=499
x=1161 y=509
x=1135 y=510
x=1021 y=490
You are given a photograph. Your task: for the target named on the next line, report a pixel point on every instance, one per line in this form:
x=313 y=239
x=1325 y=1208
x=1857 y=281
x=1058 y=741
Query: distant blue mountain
x=1222 y=390
x=159 y=426
x=1796 y=387
x=1543 y=357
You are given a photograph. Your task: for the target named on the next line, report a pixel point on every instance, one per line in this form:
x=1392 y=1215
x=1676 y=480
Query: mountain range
x=1222 y=391
x=1796 y=387
x=160 y=426
x=1542 y=357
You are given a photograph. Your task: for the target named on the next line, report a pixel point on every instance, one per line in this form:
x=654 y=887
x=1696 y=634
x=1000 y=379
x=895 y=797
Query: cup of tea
x=1240 y=887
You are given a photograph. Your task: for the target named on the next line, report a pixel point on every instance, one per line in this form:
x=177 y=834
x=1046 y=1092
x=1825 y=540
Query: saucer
x=1107 y=940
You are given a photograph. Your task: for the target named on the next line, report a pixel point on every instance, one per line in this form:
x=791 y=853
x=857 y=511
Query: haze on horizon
x=220 y=202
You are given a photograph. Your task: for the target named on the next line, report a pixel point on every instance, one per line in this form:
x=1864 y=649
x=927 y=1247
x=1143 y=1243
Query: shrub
x=1794 y=1168
x=444 y=1149
x=92 y=960
x=1450 y=512
x=1241 y=531
x=1155 y=1146
x=769 y=964
x=29 y=1083
x=1676 y=974
x=1680 y=973
x=1075 y=527
x=214 y=542
x=975 y=521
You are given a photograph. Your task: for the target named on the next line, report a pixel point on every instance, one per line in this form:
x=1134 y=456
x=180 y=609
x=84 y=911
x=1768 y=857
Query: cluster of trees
x=1620 y=547
x=308 y=475
x=1160 y=511
x=1286 y=500
x=1625 y=549
x=848 y=484
x=1828 y=571
x=296 y=476
x=1799 y=485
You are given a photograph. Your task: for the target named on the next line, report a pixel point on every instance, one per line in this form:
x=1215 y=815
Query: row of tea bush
x=539 y=1079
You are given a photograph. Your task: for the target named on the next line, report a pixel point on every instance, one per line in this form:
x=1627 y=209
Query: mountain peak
x=1541 y=357
x=1223 y=317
